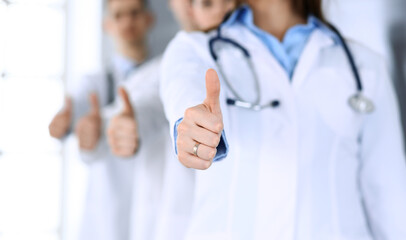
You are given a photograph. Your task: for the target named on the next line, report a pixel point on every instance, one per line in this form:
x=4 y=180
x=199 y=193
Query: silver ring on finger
x=195 y=149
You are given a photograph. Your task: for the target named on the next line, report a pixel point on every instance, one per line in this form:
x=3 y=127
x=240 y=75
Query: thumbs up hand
x=61 y=122
x=122 y=132
x=200 y=131
x=89 y=127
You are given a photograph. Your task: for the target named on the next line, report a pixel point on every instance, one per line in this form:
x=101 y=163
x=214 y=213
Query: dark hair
x=309 y=7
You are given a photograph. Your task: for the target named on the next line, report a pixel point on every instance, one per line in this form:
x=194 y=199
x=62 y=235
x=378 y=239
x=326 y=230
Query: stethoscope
x=358 y=101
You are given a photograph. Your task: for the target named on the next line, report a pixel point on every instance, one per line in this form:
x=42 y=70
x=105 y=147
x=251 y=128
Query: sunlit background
x=46 y=45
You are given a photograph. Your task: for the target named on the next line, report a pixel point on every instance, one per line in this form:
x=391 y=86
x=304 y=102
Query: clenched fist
x=88 y=129
x=200 y=131
x=60 y=124
x=122 y=132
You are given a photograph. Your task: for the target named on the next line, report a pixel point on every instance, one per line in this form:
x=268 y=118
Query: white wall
x=361 y=20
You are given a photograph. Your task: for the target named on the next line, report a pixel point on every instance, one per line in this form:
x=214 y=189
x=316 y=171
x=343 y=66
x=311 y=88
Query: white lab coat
x=177 y=200
x=106 y=214
x=125 y=194
x=155 y=149
x=130 y=189
x=311 y=169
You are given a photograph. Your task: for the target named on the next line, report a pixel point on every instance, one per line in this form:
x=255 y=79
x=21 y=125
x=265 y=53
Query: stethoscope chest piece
x=361 y=104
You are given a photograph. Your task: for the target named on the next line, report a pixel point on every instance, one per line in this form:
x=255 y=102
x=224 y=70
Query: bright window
x=32 y=72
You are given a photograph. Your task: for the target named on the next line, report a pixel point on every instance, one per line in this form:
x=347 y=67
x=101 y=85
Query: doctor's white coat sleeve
x=143 y=89
x=80 y=91
x=182 y=85
x=383 y=167
x=182 y=79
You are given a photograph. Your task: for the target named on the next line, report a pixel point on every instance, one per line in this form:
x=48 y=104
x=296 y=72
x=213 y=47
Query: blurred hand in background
x=61 y=123
x=88 y=128
x=122 y=132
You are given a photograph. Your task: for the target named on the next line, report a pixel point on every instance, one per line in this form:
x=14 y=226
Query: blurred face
x=128 y=21
x=182 y=9
x=210 y=13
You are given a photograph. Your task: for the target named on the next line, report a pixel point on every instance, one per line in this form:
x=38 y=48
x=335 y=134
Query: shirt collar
x=245 y=16
x=123 y=65
x=236 y=15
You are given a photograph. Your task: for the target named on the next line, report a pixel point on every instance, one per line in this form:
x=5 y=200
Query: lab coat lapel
x=261 y=54
x=317 y=41
x=272 y=75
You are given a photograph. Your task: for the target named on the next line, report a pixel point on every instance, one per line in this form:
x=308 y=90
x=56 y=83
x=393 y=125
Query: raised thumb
x=212 y=91
x=94 y=103
x=127 y=107
x=68 y=105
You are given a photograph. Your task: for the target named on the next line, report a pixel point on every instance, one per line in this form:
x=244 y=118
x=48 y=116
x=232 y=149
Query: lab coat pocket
x=330 y=92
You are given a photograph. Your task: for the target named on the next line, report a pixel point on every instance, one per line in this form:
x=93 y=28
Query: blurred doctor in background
x=141 y=127
x=108 y=204
x=161 y=199
x=182 y=11
x=209 y=14
x=139 y=133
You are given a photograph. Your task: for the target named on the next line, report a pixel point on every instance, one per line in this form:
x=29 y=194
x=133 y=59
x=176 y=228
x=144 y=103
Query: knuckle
x=110 y=129
x=126 y=153
x=115 y=121
x=180 y=142
x=189 y=113
x=219 y=126
x=205 y=165
x=183 y=162
x=120 y=153
x=182 y=155
x=215 y=141
x=182 y=128
x=212 y=154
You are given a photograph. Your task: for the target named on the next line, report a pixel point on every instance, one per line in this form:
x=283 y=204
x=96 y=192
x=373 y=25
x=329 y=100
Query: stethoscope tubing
x=358 y=102
x=350 y=57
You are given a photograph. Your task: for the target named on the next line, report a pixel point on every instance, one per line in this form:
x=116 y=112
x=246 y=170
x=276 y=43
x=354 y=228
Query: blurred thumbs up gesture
x=61 y=122
x=88 y=128
x=122 y=132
